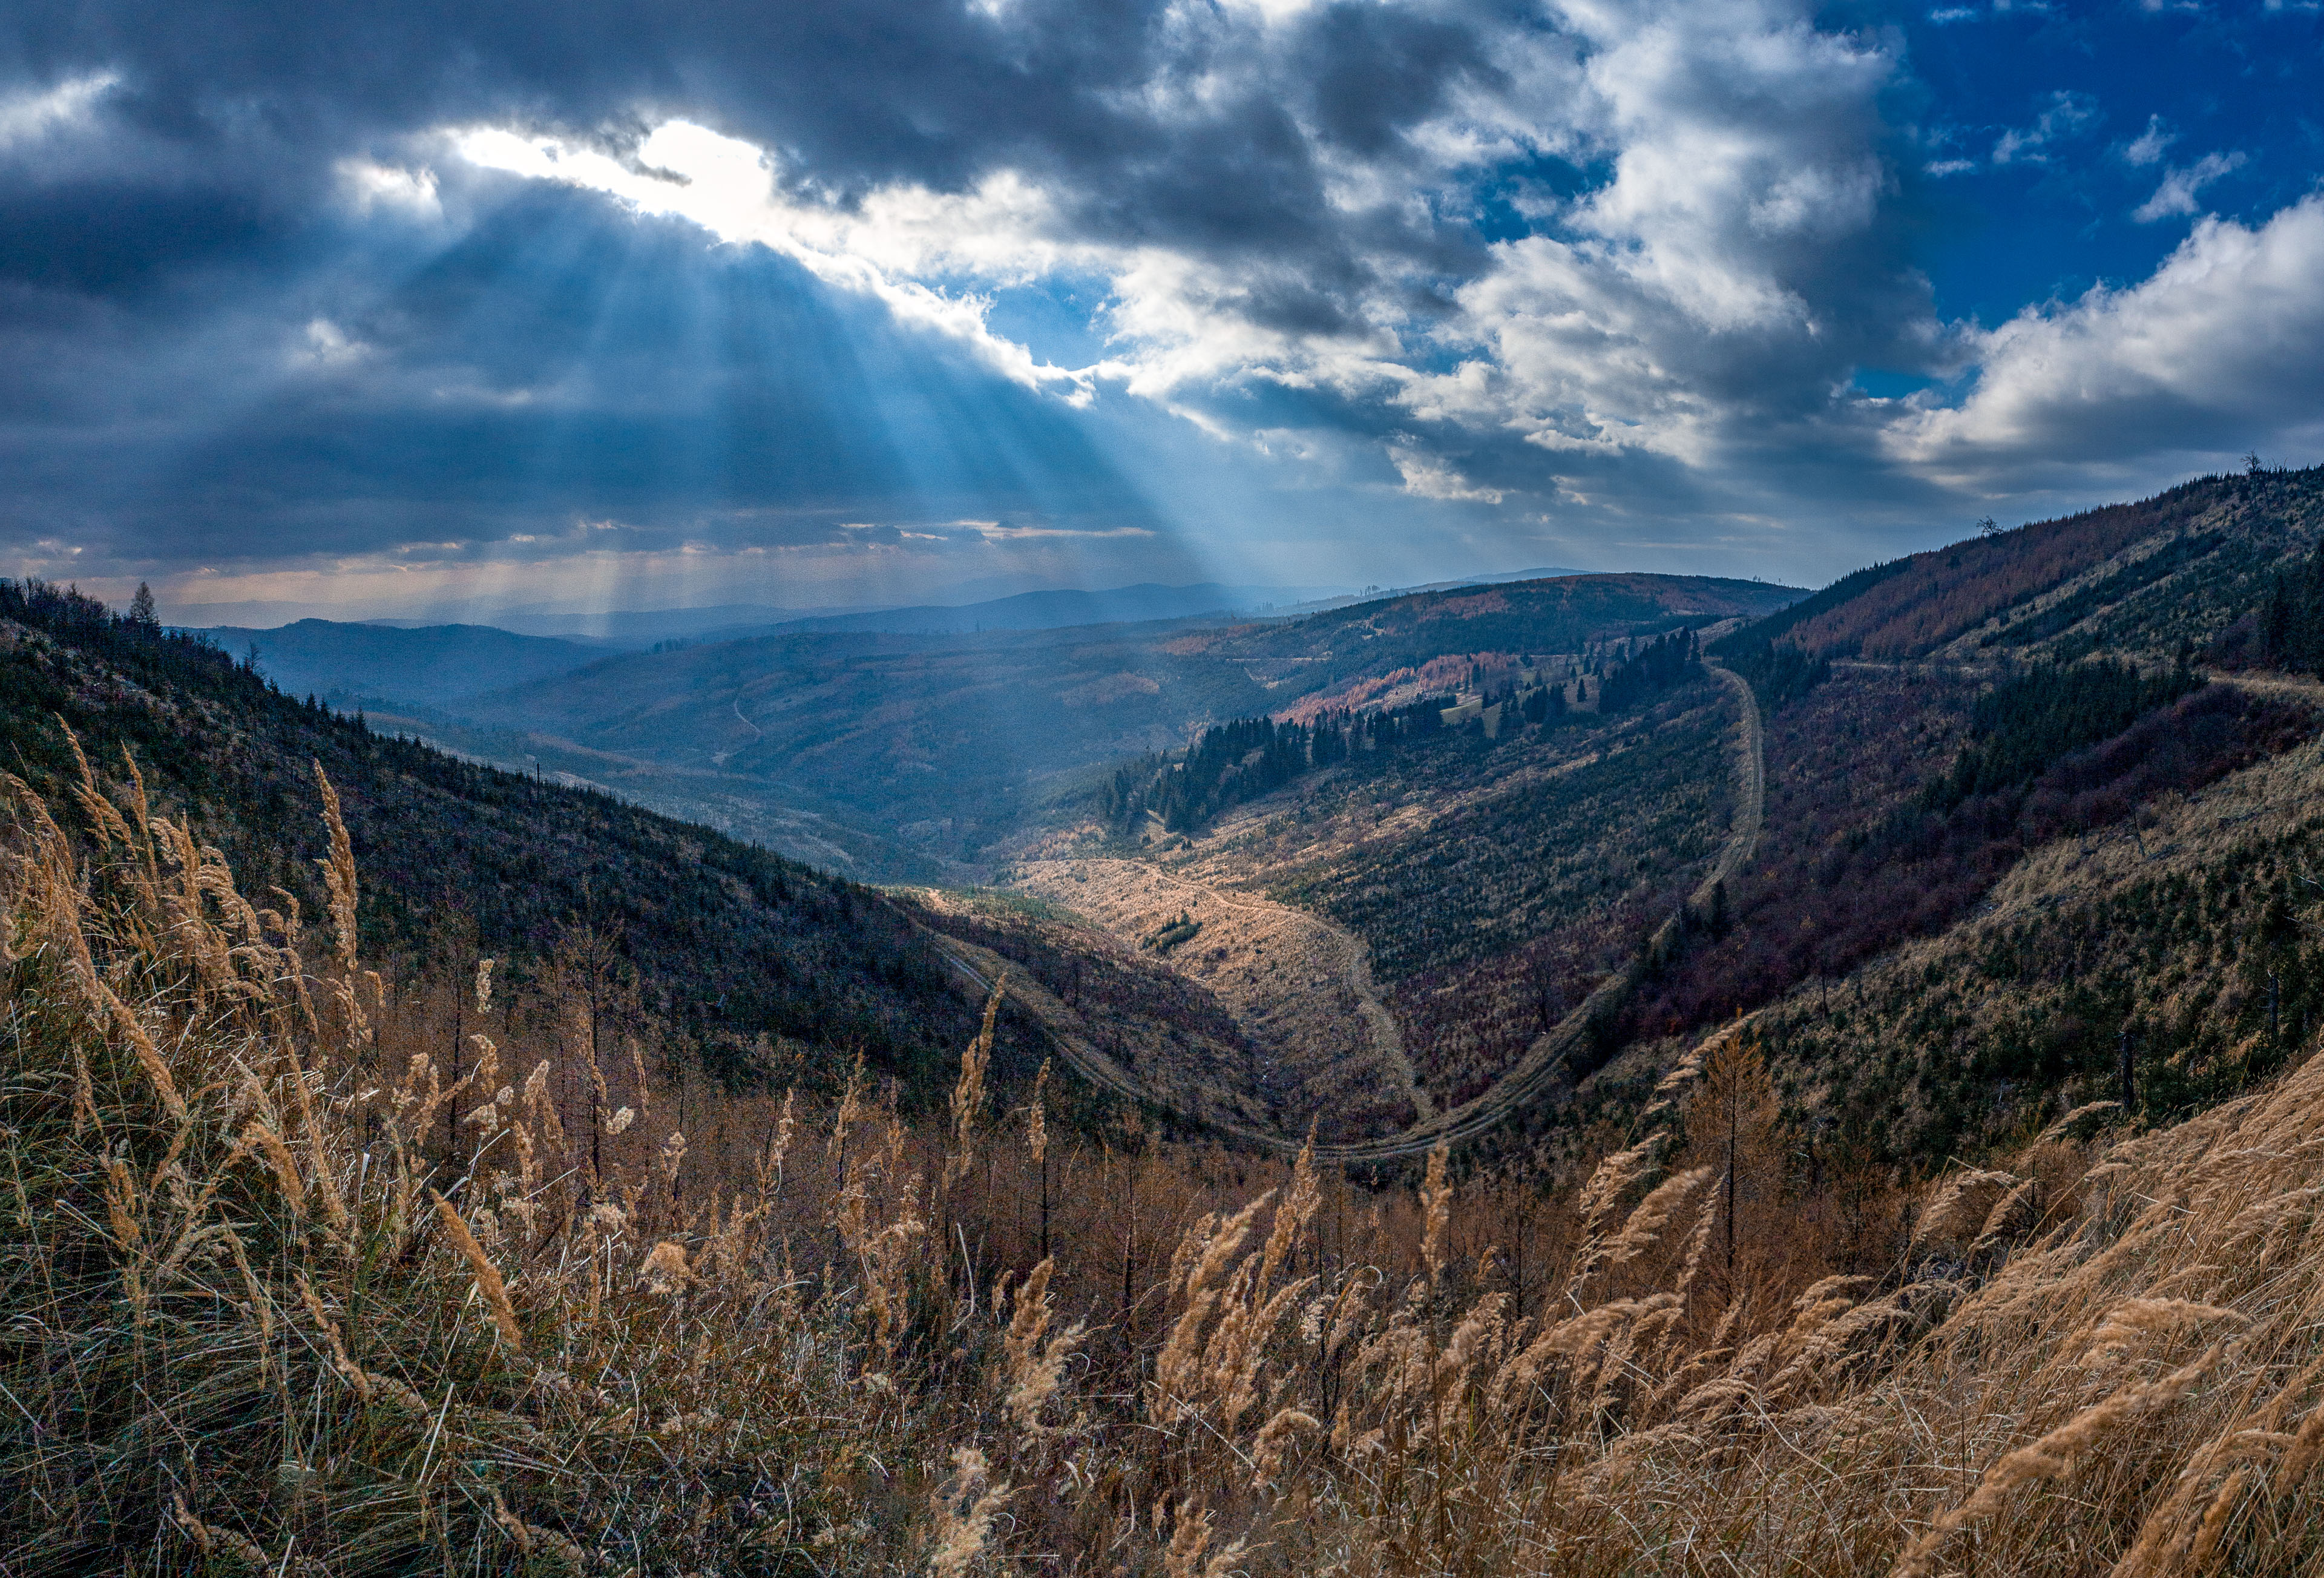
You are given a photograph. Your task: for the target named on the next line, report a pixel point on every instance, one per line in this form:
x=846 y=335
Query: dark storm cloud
x=227 y=121
x=560 y=361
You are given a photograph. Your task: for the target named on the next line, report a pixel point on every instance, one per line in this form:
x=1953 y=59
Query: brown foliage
x=1948 y=591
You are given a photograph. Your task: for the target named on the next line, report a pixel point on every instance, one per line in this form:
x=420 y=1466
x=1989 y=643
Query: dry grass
x=263 y=1316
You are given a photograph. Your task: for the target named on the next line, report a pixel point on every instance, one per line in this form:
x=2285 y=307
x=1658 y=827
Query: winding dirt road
x=1524 y=1081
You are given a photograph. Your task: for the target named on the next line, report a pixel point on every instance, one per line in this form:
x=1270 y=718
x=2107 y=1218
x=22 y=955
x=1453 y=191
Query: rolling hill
x=950 y=743
x=765 y=969
x=431 y=666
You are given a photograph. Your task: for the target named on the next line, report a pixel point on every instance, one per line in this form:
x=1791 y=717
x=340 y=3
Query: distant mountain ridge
x=728 y=942
x=434 y=666
x=441 y=665
x=1055 y=610
x=954 y=739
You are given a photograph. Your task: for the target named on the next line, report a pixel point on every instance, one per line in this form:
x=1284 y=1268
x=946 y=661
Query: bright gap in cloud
x=728 y=187
x=34 y=112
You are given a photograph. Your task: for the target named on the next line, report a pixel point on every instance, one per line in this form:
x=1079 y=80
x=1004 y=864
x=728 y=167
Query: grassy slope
x=2198 y=934
x=246 y=1337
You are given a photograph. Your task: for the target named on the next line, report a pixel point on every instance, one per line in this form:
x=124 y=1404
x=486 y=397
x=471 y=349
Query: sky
x=446 y=310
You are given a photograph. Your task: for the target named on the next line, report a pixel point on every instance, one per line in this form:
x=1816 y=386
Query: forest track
x=1543 y=1061
x=1356 y=970
x=2285 y=684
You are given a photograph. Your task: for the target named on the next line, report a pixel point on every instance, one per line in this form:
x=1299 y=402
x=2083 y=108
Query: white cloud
x=31 y=114
x=1743 y=154
x=2221 y=348
x=1428 y=477
x=2149 y=145
x=2065 y=115
x=325 y=345
x=369 y=186
x=2176 y=194
x=997 y=532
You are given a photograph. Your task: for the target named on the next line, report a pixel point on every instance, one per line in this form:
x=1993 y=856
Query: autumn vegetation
x=414 y=1167
x=271 y=1309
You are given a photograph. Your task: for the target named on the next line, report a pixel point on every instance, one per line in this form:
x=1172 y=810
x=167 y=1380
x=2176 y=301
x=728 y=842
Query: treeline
x=1243 y=758
x=136 y=640
x=2291 y=617
x=1662 y=663
x=1779 y=672
x=2021 y=726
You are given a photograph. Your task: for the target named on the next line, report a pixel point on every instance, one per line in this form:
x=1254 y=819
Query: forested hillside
x=769 y=968
x=1245 y=759
x=2203 y=551
x=1906 y=798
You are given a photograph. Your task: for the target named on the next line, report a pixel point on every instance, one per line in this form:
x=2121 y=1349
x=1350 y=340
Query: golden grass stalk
x=279 y=1161
x=212 y=1538
x=489 y=1285
x=965 y=1506
x=2052 y=1456
x=338 y=875
x=1037 y=1118
x=1437 y=1213
x=665 y=1270
x=1036 y=1360
x=1643 y=1229
x=968 y=1091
